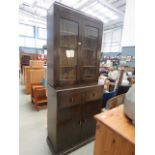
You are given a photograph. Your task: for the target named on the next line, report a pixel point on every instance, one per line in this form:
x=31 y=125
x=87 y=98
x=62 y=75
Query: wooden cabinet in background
x=70 y=116
x=73 y=45
x=115 y=133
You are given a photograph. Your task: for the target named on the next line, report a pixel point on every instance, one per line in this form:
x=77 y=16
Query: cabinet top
x=116 y=120
x=62 y=6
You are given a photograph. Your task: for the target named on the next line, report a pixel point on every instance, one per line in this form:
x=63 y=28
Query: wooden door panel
x=69 y=114
x=90 y=109
x=88 y=128
x=68 y=135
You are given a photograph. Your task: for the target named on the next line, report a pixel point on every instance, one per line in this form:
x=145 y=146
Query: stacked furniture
x=73 y=45
x=38 y=91
x=33 y=74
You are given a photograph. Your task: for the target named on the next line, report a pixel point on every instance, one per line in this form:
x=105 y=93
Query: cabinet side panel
x=50 y=46
x=52 y=115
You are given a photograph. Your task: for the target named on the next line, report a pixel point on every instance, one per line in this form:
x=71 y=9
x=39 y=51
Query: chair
x=122 y=89
x=115 y=101
x=106 y=96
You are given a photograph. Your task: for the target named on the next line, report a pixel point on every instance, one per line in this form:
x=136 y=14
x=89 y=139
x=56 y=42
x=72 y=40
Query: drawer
x=93 y=94
x=69 y=98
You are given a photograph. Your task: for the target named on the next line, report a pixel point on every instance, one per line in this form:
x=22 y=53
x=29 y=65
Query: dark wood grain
x=70 y=115
x=73 y=94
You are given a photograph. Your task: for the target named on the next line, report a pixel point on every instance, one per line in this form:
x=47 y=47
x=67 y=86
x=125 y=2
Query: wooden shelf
x=89 y=66
x=67 y=32
x=68 y=66
x=86 y=48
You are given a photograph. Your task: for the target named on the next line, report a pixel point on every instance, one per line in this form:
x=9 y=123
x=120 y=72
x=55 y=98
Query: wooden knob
x=113 y=141
x=72 y=99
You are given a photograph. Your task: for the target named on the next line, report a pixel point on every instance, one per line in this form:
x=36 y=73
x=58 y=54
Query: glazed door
x=69 y=26
x=91 y=43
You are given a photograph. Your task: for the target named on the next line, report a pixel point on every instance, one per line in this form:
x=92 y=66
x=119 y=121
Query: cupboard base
x=69 y=150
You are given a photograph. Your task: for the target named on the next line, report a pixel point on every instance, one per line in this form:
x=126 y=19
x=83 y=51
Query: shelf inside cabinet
x=89 y=66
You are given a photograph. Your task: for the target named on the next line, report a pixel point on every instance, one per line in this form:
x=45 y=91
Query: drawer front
x=93 y=94
x=69 y=98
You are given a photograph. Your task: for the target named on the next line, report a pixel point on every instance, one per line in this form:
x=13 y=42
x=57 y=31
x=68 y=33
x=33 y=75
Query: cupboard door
x=69 y=128
x=89 y=109
x=90 y=48
x=68 y=51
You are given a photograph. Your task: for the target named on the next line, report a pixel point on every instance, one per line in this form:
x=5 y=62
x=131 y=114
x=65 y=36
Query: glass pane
x=68 y=33
x=116 y=36
x=26 y=30
x=115 y=49
x=29 y=42
x=42 y=33
x=40 y=43
x=21 y=41
x=67 y=74
x=107 y=49
x=89 y=72
x=108 y=37
x=91 y=37
x=89 y=57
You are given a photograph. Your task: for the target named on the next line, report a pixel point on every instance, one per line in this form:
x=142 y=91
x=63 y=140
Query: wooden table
x=115 y=133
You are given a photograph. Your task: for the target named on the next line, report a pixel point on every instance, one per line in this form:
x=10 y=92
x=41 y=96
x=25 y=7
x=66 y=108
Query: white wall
x=128 y=38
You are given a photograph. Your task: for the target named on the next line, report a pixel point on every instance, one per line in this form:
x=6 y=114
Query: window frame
x=38 y=33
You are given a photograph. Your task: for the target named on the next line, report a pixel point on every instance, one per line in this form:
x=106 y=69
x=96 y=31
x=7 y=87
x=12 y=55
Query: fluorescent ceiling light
x=30 y=2
x=100 y=11
x=41 y=12
x=90 y=12
x=80 y=3
x=70 y=3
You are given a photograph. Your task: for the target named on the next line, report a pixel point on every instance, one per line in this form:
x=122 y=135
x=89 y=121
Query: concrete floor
x=33 y=130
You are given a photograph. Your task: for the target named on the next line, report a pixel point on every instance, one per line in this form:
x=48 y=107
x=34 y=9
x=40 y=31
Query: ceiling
x=111 y=12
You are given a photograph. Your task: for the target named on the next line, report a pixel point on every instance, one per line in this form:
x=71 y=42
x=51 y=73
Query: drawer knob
x=113 y=141
x=72 y=99
x=93 y=94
